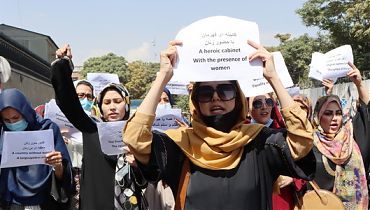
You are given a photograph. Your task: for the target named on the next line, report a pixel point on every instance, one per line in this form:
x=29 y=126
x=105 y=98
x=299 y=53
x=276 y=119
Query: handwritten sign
x=53 y=113
x=110 y=137
x=166 y=119
x=260 y=86
x=331 y=65
x=177 y=88
x=215 y=49
x=23 y=148
x=99 y=80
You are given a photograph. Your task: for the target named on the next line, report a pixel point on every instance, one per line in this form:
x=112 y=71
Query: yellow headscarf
x=209 y=148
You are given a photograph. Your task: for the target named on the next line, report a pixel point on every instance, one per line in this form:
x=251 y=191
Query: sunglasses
x=225 y=92
x=85 y=95
x=257 y=104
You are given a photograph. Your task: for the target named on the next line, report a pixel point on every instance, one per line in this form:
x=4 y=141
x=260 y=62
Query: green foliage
x=182 y=102
x=109 y=63
x=142 y=75
x=346 y=21
x=297 y=53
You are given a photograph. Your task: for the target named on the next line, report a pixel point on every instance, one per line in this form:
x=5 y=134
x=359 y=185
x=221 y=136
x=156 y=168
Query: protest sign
x=331 y=65
x=215 y=49
x=110 y=137
x=177 y=88
x=23 y=148
x=166 y=119
x=260 y=86
x=53 y=113
x=99 y=80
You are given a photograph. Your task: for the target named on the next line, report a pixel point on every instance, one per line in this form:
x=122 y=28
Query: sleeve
x=281 y=160
x=67 y=99
x=300 y=131
x=361 y=131
x=138 y=136
x=165 y=161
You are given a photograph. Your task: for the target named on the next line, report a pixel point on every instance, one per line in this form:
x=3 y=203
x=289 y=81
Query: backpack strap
x=183 y=185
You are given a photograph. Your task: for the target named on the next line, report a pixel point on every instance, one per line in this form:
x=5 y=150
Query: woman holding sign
x=35 y=186
x=98 y=169
x=342 y=148
x=221 y=163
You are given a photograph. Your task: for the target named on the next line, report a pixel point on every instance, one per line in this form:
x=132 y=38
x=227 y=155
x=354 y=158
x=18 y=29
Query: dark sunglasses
x=257 y=104
x=85 y=95
x=225 y=92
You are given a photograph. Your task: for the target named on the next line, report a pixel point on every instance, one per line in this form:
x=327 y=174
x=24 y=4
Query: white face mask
x=164 y=106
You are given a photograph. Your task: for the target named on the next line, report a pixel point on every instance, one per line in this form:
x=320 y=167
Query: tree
x=297 y=53
x=346 y=21
x=141 y=76
x=109 y=63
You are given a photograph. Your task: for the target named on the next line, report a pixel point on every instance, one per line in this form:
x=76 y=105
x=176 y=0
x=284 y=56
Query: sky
x=138 y=29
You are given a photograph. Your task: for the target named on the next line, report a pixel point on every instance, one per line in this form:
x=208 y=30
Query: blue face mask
x=165 y=106
x=86 y=104
x=21 y=125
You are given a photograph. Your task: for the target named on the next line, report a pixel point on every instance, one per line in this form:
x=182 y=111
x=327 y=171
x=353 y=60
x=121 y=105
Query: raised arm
x=65 y=92
x=137 y=133
x=355 y=76
x=300 y=131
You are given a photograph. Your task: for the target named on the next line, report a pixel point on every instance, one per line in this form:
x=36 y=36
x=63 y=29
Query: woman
x=35 y=186
x=98 y=169
x=264 y=110
x=342 y=148
x=222 y=163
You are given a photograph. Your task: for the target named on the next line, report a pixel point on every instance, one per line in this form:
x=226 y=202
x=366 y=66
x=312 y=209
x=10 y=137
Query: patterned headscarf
x=350 y=183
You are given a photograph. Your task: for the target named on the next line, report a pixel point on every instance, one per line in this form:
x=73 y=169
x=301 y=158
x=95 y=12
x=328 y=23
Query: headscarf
x=306 y=102
x=29 y=185
x=209 y=148
x=350 y=177
x=169 y=95
x=120 y=89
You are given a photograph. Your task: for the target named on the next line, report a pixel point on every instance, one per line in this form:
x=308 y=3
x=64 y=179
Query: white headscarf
x=5 y=70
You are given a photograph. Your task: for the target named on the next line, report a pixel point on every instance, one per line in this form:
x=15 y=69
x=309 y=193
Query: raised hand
x=64 y=51
x=329 y=84
x=267 y=58
x=168 y=60
x=354 y=74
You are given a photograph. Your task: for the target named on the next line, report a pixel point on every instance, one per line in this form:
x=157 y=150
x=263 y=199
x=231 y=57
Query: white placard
x=293 y=91
x=99 y=80
x=110 y=137
x=260 y=86
x=53 y=113
x=215 y=49
x=166 y=119
x=331 y=65
x=177 y=88
x=24 y=148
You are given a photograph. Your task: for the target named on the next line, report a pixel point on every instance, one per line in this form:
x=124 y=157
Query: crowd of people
x=259 y=152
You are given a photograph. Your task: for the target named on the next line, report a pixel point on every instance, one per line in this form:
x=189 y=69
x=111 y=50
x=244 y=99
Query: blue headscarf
x=31 y=185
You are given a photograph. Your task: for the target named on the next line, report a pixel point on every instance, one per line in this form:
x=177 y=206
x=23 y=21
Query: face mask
x=164 y=106
x=86 y=104
x=223 y=122
x=21 y=125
